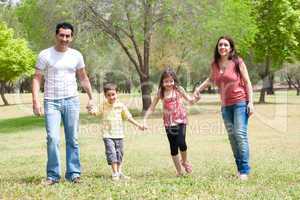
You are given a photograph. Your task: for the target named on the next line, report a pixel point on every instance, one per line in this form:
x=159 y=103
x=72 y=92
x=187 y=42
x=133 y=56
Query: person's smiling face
x=224 y=47
x=63 y=39
x=168 y=82
x=111 y=96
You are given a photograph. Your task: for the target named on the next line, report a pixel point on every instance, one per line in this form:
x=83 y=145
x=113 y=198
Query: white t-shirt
x=60 y=72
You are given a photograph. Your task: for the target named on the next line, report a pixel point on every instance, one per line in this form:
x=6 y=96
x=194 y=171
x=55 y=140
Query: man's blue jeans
x=236 y=122
x=67 y=111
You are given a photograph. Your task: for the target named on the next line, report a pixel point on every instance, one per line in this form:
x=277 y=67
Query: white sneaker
x=123 y=176
x=243 y=177
x=115 y=177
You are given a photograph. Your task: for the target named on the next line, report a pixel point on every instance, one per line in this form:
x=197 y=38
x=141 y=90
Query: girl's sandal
x=187 y=167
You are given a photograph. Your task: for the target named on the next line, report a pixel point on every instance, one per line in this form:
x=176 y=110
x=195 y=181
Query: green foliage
x=16 y=58
x=191 y=33
x=20 y=124
x=278 y=37
x=39 y=25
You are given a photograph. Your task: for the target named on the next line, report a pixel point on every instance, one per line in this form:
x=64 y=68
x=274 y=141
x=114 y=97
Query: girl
x=229 y=73
x=174 y=117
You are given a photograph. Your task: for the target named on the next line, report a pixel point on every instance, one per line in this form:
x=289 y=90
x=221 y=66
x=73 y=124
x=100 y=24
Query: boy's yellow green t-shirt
x=113 y=116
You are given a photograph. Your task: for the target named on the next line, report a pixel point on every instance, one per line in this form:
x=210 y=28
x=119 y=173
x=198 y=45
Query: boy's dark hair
x=109 y=86
x=64 y=25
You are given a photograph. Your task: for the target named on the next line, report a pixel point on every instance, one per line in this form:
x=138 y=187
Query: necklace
x=223 y=66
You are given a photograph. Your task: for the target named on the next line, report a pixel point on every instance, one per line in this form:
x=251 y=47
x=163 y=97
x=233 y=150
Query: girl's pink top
x=231 y=85
x=174 y=110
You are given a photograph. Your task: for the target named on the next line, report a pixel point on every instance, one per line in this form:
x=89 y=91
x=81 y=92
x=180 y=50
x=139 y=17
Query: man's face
x=64 y=38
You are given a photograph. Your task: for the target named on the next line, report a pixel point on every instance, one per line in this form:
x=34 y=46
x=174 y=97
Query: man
x=60 y=65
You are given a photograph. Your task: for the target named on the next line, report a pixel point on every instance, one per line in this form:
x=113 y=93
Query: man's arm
x=86 y=85
x=36 y=83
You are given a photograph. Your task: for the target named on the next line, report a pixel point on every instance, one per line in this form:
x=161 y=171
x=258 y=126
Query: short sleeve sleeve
x=125 y=113
x=241 y=61
x=80 y=63
x=41 y=61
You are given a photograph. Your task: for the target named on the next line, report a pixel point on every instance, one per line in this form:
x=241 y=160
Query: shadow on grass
x=20 y=124
x=36 y=180
x=15 y=104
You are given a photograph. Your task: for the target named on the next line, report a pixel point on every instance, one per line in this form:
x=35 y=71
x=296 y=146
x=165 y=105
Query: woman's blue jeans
x=236 y=122
x=67 y=111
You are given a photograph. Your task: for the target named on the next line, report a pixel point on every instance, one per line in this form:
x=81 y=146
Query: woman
x=229 y=73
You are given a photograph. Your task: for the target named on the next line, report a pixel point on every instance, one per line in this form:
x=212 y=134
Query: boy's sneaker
x=123 y=176
x=115 y=177
x=243 y=177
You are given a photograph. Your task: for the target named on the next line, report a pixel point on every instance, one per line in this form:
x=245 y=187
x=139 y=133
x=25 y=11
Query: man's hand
x=37 y=109
x=91 y=107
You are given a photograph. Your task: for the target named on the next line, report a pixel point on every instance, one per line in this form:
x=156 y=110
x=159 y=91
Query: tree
x=276 y=41
x=139 y=27
x=131 y=24
x=292 y=75
x=39 y=25
x=16 y=59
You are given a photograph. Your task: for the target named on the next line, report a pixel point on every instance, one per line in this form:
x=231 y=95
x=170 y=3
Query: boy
x=113 y=113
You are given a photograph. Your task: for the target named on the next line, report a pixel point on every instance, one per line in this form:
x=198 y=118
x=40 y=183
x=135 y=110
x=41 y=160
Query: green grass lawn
x=274 y=134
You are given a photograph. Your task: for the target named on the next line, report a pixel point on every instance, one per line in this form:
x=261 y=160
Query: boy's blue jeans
x=236 y=122
x=67 y=111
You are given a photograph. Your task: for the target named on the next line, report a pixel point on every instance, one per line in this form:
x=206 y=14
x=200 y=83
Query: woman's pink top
x=231 y=85
x=174 y=111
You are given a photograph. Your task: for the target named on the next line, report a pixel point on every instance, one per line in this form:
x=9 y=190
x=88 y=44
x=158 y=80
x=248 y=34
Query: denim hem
x=72 y=177
x=245 y=172
x=53 y=179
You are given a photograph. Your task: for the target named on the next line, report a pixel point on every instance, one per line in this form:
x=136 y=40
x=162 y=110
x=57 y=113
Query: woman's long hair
x=232 y=54
x=168 y=72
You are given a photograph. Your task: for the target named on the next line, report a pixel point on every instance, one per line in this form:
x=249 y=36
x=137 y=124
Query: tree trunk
x=146 y=93
x=2 y=91
x=298 y=87
x=262 y=95
x=145 y=78
x=264 y=77
x=264 y=89
x=270 y=88
x=289 y=82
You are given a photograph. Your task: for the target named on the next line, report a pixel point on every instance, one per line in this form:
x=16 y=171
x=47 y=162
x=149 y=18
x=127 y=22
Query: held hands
x=142 y=127
x=145 y=125
x=196 y=96
x=91 y=107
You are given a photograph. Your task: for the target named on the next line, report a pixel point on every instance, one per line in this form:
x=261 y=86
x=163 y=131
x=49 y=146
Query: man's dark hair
x=64 y=25
x=109 y=86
